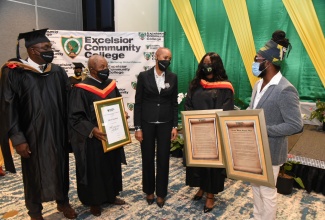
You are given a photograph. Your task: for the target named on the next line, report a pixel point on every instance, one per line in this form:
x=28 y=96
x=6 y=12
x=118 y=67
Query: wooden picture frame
x=202 y=142
x=246 y=146
x=111 y=120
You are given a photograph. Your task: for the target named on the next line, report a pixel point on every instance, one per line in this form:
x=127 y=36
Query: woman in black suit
x=210 y=89
x=155 y=120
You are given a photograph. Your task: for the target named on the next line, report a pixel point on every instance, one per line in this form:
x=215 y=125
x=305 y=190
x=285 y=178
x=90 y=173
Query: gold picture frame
x=111 y=120
x=246 y=146
x=202 y=142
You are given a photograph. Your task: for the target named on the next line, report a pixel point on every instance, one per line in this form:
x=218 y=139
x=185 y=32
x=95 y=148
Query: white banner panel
x=127 y=53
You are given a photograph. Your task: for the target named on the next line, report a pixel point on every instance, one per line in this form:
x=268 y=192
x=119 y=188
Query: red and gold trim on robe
x=217 y=85
x=100 y=92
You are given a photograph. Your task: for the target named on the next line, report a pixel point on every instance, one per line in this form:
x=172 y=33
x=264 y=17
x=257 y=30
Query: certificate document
x=113 y=123
x=244 y=146
x=204 y=139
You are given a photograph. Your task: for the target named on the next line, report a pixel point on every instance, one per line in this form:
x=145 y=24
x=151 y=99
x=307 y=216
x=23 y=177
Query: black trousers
x=162 y=134
x=35 y=208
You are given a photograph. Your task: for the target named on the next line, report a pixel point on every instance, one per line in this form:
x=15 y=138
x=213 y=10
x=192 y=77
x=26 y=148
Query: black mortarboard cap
x=78 y=65
x=32 y=38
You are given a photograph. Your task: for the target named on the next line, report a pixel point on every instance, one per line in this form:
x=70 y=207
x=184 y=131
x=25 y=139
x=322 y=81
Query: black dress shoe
x=67 y=210
x=207 y=209
x=160 y=203
x=150 y=199
x=197 y=197
x=95 y=210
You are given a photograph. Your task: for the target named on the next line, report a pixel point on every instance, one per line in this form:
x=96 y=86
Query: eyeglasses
x=259 y=59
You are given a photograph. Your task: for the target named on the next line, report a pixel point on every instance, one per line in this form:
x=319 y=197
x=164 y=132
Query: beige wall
x=18 y=16
x=136 y=15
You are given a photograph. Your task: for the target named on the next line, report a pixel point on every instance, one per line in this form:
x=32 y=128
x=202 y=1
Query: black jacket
x=152 y=106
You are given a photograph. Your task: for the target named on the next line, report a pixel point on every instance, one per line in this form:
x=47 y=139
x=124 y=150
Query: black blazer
x=152 y=106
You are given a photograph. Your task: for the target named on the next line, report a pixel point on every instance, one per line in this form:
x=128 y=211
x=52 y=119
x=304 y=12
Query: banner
x=127 y=53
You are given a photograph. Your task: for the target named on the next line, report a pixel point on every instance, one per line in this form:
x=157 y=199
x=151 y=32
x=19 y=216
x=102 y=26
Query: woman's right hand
x=138 y=135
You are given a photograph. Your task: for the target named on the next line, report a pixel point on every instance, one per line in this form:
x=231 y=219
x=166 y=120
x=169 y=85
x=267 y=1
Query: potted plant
x=286 y=178
x=319 y=113
x=177 y=145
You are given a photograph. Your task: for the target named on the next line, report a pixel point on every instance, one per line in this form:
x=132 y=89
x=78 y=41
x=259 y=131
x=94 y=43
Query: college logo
x=148 y=55
x=130 y=106
x=151 y=46
x=142 y=35
x=134 y=85
x=71 y=45
x=147 y=67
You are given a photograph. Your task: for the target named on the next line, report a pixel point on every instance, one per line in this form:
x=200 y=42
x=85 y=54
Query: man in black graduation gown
x=77 y=78
x=99 y=174
x=33 y=96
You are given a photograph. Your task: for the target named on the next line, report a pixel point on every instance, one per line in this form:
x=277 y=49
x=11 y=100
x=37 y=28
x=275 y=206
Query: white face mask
x=256 y=68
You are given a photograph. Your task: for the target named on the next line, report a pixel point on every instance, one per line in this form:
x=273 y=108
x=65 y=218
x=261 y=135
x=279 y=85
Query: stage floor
x=310 y=145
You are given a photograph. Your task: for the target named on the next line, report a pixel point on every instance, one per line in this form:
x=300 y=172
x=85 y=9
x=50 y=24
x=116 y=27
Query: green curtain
x=265 y=17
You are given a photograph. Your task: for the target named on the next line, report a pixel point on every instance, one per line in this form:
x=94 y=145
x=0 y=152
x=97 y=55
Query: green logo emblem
x=71 y=45
x=147 y=55
x=142 y=35
x=130 y=106
x=134 y=85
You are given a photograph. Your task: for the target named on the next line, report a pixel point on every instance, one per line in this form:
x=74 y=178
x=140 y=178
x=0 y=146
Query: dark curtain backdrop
x=265 y=16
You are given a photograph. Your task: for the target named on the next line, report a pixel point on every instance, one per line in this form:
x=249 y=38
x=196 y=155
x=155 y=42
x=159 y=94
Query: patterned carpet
x=235 y=202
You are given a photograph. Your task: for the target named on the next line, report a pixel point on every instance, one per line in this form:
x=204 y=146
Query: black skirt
x=210 y=180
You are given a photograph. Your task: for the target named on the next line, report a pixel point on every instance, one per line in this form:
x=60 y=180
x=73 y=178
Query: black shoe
x=206 y=209
x=149 y=199
x=95 y=210
x=160 y=203
x=197 y=197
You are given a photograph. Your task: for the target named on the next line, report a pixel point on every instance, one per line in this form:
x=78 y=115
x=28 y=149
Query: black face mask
x=47 y=56
x=163 y=64
x=77 y=73
x=103 y=74
x=207 y=69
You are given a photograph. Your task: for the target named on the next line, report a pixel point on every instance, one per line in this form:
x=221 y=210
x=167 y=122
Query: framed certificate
x=201 y=139
x=112 y=121
x=246 y=146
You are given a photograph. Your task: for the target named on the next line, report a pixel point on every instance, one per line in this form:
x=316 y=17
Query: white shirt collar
x=90 y=76
x=31 y=63
x=274 y=81
x=160 y=80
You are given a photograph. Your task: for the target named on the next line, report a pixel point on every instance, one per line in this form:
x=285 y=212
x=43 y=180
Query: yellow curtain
x=304 y=18
x=186 y=17
x=1 y=158
x=240 y=23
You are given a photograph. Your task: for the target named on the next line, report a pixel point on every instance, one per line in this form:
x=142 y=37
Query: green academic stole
x=100 y=92
x=216 y=85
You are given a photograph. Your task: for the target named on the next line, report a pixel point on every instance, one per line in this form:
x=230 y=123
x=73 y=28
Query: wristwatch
x=137 y=128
